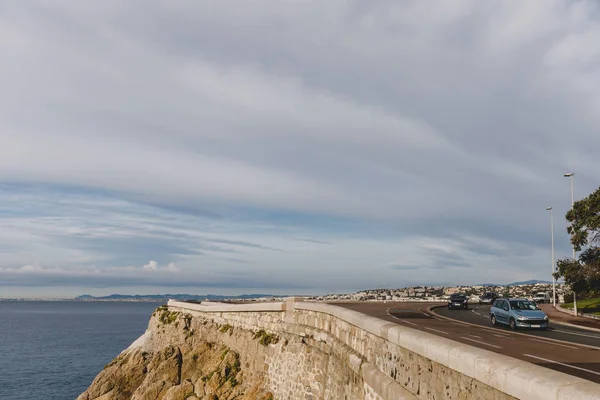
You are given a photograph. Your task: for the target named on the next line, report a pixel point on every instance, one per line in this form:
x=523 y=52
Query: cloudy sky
x=290 y=146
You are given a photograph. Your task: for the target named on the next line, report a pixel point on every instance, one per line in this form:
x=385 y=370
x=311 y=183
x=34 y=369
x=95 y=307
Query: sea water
x=54 y=349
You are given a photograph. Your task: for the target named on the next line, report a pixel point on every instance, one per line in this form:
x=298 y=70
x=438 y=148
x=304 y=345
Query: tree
x=583 y=274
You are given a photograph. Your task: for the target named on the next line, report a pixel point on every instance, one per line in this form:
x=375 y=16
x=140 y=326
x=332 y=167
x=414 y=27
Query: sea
x=55 y=349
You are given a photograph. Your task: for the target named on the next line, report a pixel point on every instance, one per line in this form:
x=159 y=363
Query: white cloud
x=151 y=266
x=154 y=267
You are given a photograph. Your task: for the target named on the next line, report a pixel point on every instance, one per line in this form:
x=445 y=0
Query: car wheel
x=493 y=320
x=449 y=307
x=513 y=324
x=466 y=307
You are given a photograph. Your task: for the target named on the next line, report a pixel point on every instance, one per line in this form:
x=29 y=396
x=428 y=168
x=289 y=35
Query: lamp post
x=553 y=264
x=571 y=175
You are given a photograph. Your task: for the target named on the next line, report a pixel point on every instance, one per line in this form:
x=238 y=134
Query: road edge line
x=430 y=309
x=563 y=364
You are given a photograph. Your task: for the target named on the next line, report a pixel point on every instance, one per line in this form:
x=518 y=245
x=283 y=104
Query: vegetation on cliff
x=265 y=338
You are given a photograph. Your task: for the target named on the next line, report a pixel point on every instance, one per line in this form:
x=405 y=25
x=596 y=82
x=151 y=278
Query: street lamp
x=553 y=264
x=571 y=175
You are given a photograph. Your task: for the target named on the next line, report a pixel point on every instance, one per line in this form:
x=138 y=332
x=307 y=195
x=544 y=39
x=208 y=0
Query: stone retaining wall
x=383 y=360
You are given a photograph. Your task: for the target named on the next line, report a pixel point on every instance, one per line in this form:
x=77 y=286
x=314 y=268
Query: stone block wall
x=338 y=353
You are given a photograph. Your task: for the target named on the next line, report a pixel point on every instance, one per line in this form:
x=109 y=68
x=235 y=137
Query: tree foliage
x=584 y=219
x=583 y=274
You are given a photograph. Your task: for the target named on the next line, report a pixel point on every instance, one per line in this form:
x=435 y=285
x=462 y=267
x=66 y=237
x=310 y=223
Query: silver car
x=518 y=313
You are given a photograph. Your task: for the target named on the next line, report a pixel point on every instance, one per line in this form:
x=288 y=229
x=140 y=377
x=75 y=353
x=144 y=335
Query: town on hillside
x=442 y=293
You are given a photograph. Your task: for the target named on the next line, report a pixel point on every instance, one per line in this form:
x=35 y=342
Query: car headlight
x=546 y=317
x=521 y=317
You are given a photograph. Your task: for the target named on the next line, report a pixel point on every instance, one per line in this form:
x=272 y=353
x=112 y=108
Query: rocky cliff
x=296 y=350
x=180 y=357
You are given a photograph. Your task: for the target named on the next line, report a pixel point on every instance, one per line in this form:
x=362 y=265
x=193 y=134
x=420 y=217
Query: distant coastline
x=152 y=298
x=420 y=293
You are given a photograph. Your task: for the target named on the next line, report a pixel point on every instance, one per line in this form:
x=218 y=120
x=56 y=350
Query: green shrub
x=265 y=338
x=167 y=317
x=226 y=328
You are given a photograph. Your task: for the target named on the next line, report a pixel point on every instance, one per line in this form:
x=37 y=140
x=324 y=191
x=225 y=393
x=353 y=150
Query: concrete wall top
x=514 y=377
x=224 y=307
x=509 y=375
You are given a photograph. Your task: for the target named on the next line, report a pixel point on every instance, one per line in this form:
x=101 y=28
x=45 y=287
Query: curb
x=557 y=307
x=566 y=311
x=430 y=309
x=571 y=313
x=585 y=328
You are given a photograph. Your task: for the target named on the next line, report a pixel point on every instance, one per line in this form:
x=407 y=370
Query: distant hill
x=165 y=297
x=530 y=282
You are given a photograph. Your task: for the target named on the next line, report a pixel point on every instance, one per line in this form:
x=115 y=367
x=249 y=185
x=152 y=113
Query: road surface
x=569 y=350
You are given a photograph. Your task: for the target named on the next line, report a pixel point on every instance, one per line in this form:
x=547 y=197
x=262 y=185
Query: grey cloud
x=508 y=248
x=121 y=281
x=436 y=265
x=436 y=259
x=241 y=243
x=446 y=258
x=313 y=241
x=406 y=267
x=236 y=260
x=133 y=250
x=449 y=122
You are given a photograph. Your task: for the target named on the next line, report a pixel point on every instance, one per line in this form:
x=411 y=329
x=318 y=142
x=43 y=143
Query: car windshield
x=522 y=305
x=458 y=297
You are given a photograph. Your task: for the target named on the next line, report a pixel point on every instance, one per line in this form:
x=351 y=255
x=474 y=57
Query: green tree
x=583 y=274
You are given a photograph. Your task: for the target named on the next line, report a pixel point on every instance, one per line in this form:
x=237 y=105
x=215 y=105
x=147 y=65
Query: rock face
x=181 y=358
x=309 y=351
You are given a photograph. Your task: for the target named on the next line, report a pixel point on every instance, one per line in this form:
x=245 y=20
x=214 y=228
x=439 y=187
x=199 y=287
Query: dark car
x=488 y=298
x=458 y=301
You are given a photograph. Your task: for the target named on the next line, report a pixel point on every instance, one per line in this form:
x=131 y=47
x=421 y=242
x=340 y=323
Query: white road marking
x=475 y=336
x=480 y=342
x=563 y=364
x=502 y=336
x=435 y=330
x=403 y=320
x=399 y=319
x=556 y=344
x=429 y=315
x=459 y=324
x=573 y=333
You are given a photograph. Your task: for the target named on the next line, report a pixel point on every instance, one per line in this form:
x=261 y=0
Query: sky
x=292 y=147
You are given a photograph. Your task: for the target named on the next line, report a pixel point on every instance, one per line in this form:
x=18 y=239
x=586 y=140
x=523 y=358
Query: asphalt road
x=569 y=350
x=479 y=315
